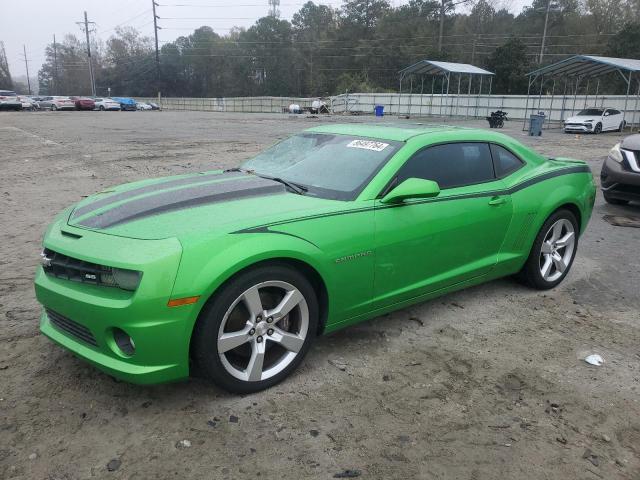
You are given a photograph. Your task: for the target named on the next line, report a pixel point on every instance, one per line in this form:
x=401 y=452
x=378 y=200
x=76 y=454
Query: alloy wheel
x=263 y=331
x=557 y=249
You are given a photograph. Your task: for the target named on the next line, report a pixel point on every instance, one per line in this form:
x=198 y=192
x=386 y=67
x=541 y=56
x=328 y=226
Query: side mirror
x=412 y=188
x=606 y=114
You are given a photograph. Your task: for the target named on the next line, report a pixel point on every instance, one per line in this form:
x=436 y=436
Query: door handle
x=497 y=200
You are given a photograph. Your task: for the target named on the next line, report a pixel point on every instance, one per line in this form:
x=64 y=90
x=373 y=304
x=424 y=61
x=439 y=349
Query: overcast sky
x=34 y=22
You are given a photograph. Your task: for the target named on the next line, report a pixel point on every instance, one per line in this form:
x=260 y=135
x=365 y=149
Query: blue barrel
x=379 y=109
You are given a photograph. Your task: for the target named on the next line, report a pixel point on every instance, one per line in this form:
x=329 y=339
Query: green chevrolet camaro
x=234 y=272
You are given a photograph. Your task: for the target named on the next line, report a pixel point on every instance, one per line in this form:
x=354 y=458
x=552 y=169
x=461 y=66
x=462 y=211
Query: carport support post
x=586 y=94
x=478 y=97
x=541 y=88
x=553 y=92
x=421 y=93
x=469 y=95
x=433 y=84
x=526 y=105
x=458 y=97
x=595 y=102
x=635 y=110
x=575 y=96
x=626 y=98
x=489 y=97
x=441 y=95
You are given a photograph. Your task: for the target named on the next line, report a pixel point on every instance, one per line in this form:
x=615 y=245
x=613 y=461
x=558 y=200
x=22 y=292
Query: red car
x=84 y=103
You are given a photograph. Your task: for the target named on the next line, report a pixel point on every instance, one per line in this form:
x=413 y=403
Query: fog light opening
x=124 y=342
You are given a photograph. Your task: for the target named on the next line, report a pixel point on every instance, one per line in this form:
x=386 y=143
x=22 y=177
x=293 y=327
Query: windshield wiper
x=296 y=187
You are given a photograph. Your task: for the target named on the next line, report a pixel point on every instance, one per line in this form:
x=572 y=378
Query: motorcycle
x=497 y=118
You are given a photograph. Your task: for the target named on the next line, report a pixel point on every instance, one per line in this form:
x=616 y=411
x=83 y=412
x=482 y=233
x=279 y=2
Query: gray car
x=620 y=175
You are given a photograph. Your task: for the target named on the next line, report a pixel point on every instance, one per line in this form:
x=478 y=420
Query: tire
x=622 y=125
x=532 y=272
x=598 y=128
x=53 y=108
x=227 y=314
x=614 y=201
x=102 y=109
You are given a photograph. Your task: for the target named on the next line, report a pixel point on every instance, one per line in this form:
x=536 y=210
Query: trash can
x=535 y=124
x=379 y=109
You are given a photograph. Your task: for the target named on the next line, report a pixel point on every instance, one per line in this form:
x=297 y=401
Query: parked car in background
x=9 y=100
x=620 y=174
x=595 y=120
x=57 y=103
x=144 y=106
x=28 y=103
x=154 y=106
x=84 y=103
x=104 y=104
x=126 y=103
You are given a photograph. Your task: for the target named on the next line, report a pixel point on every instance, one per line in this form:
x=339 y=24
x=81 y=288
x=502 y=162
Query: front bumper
x=578 y=127
x=161 y=334
x=619 y=180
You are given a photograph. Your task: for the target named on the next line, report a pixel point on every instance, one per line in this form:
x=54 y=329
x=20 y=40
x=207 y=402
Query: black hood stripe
x=182 y=198
x=179 y=182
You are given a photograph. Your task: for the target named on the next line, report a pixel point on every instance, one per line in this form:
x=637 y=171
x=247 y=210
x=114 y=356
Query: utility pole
x=544 y=31
x=26 y=66
x=155 y=32
x=86 y=31
x=442 y=14
x=55 y=66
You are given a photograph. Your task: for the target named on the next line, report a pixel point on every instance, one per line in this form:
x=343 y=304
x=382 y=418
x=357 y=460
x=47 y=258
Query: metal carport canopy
x=587 y=65
x=432 y=67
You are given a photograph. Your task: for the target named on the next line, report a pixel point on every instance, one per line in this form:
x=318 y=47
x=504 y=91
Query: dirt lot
x=483 y=384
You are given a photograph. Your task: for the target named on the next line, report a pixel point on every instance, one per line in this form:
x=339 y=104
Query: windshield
x=329 y=166
x=591 y=111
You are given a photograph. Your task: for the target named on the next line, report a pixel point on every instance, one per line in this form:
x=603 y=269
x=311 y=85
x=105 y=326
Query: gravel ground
x=482 y=384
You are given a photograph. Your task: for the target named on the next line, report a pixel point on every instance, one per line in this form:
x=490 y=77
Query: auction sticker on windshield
x=368 y=145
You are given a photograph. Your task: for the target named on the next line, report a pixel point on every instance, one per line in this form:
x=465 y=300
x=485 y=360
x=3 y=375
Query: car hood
x=581 y=118
x=213 y=202
x=632 y=142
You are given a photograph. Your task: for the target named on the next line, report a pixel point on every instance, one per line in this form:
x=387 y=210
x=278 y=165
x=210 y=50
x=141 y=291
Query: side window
x=504 y=161
x=451 y=165
x=614 y=112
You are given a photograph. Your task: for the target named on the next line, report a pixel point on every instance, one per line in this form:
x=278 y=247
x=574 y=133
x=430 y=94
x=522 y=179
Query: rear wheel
x=553 y=251
x=53 y=108
x=102 y=108
x=257 y=329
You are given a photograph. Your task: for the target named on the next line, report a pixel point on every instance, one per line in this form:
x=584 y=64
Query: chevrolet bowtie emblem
x=44 y=260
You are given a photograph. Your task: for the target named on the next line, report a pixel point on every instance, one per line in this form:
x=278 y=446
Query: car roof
x=399 y=133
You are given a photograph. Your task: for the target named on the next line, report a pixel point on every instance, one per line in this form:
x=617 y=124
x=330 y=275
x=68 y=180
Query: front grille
x=73 y=328
x=69 y=268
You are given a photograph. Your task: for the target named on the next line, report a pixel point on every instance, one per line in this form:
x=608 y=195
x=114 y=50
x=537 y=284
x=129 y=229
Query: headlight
x=616 y=154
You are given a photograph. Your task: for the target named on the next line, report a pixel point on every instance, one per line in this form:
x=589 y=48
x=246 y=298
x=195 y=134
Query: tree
x=5 y=75
x=510 y=64
x=626 y=43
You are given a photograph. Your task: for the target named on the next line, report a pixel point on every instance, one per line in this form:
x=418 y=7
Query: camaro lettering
x=354 y=256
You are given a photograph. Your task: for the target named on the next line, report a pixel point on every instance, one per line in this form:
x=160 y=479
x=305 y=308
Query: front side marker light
x=177 y=302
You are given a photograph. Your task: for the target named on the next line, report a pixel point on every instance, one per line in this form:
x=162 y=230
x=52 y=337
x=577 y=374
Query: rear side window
x=505 y=162
x=451 y=165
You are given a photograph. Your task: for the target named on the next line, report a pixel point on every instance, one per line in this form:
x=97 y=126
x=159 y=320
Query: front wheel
x=53 y=108
x=598 y=129
x=257 y=329
x=553 y=251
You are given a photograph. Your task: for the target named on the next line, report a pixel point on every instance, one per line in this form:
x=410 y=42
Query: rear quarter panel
x=536 y=195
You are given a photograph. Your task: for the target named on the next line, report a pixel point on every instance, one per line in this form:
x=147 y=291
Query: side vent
x=69 y=234
x=524 y=230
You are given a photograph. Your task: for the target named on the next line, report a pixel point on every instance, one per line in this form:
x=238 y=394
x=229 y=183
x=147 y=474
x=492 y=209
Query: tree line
x=359 y=47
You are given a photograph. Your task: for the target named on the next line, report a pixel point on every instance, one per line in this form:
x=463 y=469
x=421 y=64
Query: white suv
x=9 y=100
